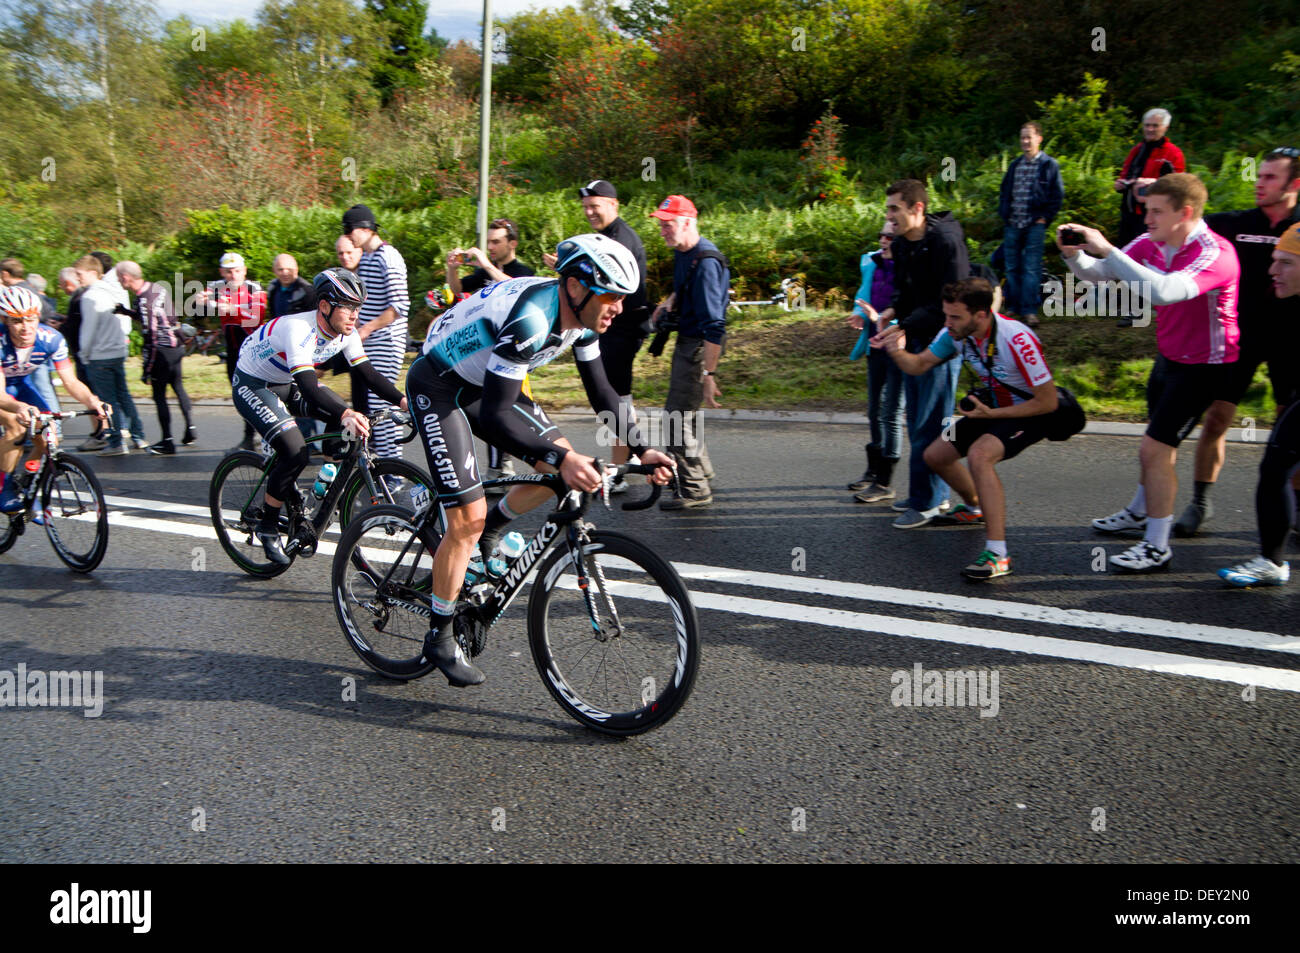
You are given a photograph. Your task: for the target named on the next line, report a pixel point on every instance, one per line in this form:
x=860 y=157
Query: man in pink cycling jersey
x=1191 y=276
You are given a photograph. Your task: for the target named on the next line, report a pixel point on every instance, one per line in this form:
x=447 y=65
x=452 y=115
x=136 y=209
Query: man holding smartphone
x=1191 y=276
x=498 y=264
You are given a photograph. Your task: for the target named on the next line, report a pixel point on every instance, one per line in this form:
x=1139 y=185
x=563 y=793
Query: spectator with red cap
x=697 y=308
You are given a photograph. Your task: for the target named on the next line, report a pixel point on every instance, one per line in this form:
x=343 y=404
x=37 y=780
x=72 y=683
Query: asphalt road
x=1137 y=719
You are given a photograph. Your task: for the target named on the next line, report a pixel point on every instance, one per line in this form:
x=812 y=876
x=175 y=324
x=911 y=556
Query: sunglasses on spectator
x=512 y=233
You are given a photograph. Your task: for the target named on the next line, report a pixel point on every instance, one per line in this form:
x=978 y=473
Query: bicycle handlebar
x=41 y=415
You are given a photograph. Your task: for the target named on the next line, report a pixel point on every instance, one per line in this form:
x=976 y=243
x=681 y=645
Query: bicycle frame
x=325 y=509
x=487 y=608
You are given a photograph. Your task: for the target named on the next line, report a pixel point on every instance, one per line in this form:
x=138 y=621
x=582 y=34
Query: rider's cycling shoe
x=445 y=652
x=10 y=501
x=274 y=551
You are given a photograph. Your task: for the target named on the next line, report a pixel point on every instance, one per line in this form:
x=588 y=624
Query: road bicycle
x=238 y=489
x=63 y=494
x=611 y=625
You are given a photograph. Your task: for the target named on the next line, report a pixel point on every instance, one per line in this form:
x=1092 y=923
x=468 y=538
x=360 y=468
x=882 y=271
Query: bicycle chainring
x=470 y=633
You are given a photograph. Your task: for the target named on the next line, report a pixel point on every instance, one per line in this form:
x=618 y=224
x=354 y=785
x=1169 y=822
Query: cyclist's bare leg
x=464 y=527
x=10 y=451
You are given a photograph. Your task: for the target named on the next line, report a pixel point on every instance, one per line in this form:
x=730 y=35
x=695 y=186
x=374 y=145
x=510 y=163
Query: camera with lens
x=666 y=326
x=985 y=395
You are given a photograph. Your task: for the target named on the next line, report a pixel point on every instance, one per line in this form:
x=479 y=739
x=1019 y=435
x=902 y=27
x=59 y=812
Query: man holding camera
x=1009 y=413
x=1191 y=276
x=498 y=264
x=698 y=309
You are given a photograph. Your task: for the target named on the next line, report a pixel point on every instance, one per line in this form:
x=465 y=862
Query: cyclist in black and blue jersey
x=468 y=381
x=275 y=382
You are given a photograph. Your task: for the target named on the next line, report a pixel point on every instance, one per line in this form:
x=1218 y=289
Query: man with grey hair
x=1147 y=161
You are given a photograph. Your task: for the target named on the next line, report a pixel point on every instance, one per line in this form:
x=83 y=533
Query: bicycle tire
x=69 y=494
x=653 y=657
x=235 y=503
x=355 y=500
x=11 y=526
x=385 y=629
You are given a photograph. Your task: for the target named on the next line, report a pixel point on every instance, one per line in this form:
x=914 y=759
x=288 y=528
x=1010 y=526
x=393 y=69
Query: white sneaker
x=1141 y=557
x=1256 y=572
x=140 y=443
x=1120 y=522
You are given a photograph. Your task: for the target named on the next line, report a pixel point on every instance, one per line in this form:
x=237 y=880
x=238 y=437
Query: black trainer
x=274 y=551
x=190 y=436
x=163 y=448
x=445 y=652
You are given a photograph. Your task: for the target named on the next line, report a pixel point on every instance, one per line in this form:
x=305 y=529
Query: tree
x=237 y=144
x=96 y=71
x=396 y=68
x=535 y=42
x=323 y=51
x=197 y=51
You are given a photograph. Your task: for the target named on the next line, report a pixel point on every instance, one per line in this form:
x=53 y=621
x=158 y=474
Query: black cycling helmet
x=339 y=286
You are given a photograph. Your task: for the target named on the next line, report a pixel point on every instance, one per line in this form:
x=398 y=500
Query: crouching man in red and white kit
x=1191 y=276
x=1022 y=402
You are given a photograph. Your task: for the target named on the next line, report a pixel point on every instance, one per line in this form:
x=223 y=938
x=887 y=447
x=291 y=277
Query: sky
x=453 y=19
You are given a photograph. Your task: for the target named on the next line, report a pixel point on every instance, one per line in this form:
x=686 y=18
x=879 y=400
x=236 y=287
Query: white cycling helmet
x=600 y=263
x=19 y=302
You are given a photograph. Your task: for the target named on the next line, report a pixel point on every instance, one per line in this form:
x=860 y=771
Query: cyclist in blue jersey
x=275 y=382
x=468 y=381
x=25 y=345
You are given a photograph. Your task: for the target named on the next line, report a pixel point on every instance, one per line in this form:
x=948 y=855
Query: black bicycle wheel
x=629 y=667
x=76 y=516
x=235 y=499
x=11 y=527
x=415 y=487
x=381 y=577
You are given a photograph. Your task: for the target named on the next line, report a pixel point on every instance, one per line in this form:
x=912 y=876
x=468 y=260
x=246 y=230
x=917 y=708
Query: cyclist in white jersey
x=275 y=381
x=468 y=381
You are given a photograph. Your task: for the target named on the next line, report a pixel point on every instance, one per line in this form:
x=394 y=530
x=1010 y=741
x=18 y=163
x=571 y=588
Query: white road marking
x=1083 y=651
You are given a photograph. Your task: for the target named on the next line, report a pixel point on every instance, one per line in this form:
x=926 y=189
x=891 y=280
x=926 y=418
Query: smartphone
x=1072 y=236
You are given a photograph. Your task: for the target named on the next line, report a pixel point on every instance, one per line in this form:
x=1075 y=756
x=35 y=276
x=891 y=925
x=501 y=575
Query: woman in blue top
x=884 y=379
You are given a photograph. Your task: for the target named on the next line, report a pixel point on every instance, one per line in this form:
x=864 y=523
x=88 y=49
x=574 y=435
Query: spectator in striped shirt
x=382 y=322
x=162 y=352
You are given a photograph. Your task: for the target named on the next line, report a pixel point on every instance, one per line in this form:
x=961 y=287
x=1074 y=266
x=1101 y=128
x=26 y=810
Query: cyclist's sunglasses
x=605 y=297
x=1291 y=152
x=512 y=233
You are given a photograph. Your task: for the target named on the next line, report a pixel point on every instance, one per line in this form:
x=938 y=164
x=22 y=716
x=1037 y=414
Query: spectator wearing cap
x=382 y=321
x=498 y=264
x=699 y=304
x=618 y=345
x=241 y=305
